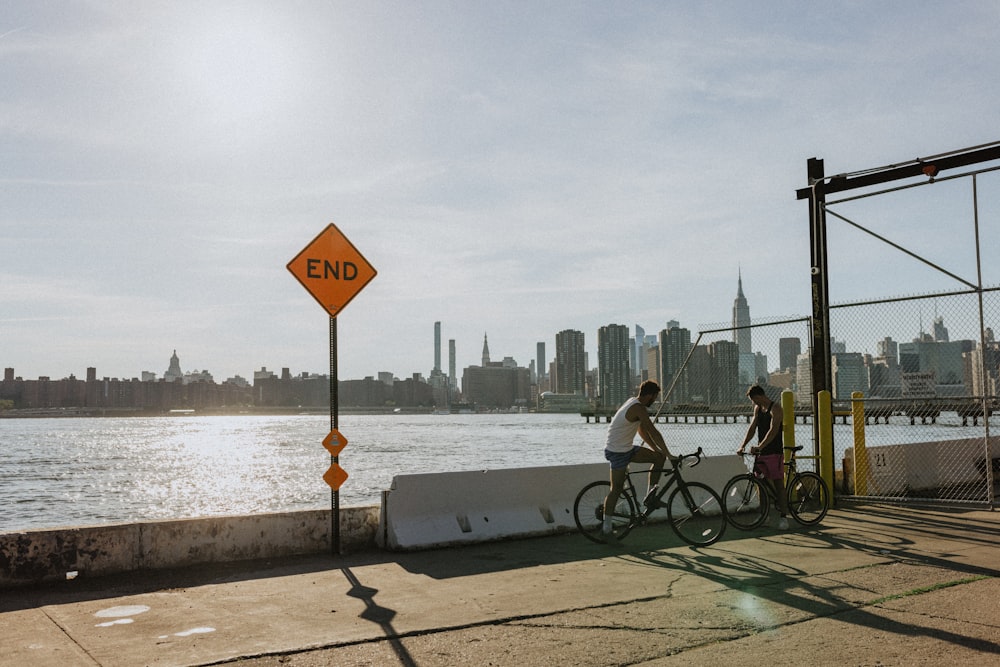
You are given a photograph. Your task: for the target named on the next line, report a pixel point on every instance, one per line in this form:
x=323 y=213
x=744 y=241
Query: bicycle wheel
x=696 y=514
x=745 y=502
x=588 y=512
x=808 y=498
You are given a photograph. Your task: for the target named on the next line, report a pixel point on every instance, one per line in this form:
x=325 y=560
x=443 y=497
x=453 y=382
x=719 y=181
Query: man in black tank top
x=768 y=421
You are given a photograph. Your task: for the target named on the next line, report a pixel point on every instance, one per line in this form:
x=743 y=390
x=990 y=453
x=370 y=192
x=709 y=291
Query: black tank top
x=763 y=426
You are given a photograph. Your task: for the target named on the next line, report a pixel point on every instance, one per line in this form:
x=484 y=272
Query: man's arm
x=648 y=431
x=750 y=431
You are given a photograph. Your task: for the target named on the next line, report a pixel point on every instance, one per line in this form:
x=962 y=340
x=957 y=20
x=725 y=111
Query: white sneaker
x=611 y=539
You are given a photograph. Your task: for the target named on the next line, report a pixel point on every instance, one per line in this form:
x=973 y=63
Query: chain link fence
x=705 y=382
x=915 y=389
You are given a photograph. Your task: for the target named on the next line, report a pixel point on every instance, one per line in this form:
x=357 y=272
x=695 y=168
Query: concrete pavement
x=874 y=585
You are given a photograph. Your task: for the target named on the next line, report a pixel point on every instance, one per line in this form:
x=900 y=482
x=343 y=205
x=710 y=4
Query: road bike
x=694 y=510
x=747 y=498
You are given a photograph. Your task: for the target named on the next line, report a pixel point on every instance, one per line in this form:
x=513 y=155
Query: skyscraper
x=789 y=350
x=486 y=352
x=726 y=388
x=614 y=371
x=674 y=343
x=741 y=319
x=888 y=348
x=452 y=377
x=540 y=355
x=437 y=347
x=571 y=363
x=741 y=336
x=940 y=330
x=640 y=352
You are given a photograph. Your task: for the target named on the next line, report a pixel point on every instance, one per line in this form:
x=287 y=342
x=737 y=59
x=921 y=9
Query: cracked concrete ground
x=874 y=585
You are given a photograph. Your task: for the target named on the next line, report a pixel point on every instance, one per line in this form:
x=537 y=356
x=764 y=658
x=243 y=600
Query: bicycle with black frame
x=694 y=510
x=747 y=498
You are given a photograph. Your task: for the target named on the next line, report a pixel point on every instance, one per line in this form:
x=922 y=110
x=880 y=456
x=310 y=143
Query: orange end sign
x=332 y=270
x=335 y=476
x=334 y=442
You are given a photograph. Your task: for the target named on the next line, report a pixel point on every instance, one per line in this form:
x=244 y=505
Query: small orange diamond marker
x=334 y=442
x=335 y=476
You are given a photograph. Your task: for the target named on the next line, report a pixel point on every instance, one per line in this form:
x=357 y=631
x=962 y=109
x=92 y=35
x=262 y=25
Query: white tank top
x=621 y=432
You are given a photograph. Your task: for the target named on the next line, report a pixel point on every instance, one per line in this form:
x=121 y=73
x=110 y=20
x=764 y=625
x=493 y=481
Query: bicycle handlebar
x=696 y=456
x=787 y=449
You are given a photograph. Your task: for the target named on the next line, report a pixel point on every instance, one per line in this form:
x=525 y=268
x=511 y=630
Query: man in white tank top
x=632 y=418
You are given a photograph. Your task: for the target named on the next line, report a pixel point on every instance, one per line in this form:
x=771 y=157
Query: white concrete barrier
x=919 y=466
x=437 y=509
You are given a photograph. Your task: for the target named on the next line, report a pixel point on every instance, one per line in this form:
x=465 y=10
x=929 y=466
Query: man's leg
x=776 y=478
x=617 y=484
x=779 y=487
x=657 y=460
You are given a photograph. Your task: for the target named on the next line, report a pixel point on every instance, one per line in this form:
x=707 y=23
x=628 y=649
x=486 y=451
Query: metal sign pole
x=334 y=425
x=333 y=271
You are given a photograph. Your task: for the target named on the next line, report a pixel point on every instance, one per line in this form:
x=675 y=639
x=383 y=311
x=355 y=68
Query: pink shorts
x=771 y=466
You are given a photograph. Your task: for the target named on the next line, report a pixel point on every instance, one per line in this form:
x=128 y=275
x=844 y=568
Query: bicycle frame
x=805 y=493
x=694 y=510
x=669 y=478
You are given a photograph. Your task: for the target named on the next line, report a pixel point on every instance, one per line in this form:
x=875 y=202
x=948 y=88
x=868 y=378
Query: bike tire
x=588 y=512
x=808 y=498
x=745 y=501
x=696 y=515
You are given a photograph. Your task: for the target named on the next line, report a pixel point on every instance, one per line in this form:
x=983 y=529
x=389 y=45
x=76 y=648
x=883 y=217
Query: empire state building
x=741 y=336
x=741 y=320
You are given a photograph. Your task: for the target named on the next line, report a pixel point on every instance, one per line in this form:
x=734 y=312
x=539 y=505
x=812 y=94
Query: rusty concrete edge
x=41 y=556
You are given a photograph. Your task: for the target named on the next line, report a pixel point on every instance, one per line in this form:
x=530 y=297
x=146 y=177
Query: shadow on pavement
x=783 y=584
x=443 y=563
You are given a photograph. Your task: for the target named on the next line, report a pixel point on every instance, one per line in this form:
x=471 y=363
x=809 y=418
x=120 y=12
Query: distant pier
x=722 y=417
x=874 y=413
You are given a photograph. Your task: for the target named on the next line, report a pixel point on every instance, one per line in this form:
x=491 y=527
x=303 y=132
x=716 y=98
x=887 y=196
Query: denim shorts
x=772 y=466
x=620 y=460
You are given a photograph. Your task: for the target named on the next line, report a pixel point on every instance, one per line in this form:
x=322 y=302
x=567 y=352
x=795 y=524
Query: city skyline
x=711 y=373
x=517 y=168
x=691 y=372
x=673 y=338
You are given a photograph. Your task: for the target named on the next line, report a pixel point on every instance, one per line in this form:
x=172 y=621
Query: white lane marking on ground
x=124 y=610
x=194 y=631
x=117 y=621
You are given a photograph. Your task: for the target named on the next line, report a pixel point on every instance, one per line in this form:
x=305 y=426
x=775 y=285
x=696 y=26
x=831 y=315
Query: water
x=85 y=471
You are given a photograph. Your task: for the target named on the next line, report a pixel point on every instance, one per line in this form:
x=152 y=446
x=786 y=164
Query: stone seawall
x=39 y=556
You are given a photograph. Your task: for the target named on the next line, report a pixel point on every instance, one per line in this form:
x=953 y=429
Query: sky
x=510 y=169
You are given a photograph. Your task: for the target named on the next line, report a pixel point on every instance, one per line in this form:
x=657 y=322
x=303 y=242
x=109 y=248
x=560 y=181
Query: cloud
x=512 y=168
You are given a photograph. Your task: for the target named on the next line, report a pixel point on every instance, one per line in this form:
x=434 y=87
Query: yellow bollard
x=825 y=422
x=860 y=454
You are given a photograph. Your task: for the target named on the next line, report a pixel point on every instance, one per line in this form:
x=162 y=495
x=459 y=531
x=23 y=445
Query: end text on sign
x=324 y=269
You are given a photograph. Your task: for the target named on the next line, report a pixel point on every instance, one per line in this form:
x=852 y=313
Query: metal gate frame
x=816 y=192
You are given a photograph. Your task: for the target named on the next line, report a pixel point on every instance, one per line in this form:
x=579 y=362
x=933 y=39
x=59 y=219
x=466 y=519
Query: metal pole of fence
x=982 y=345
